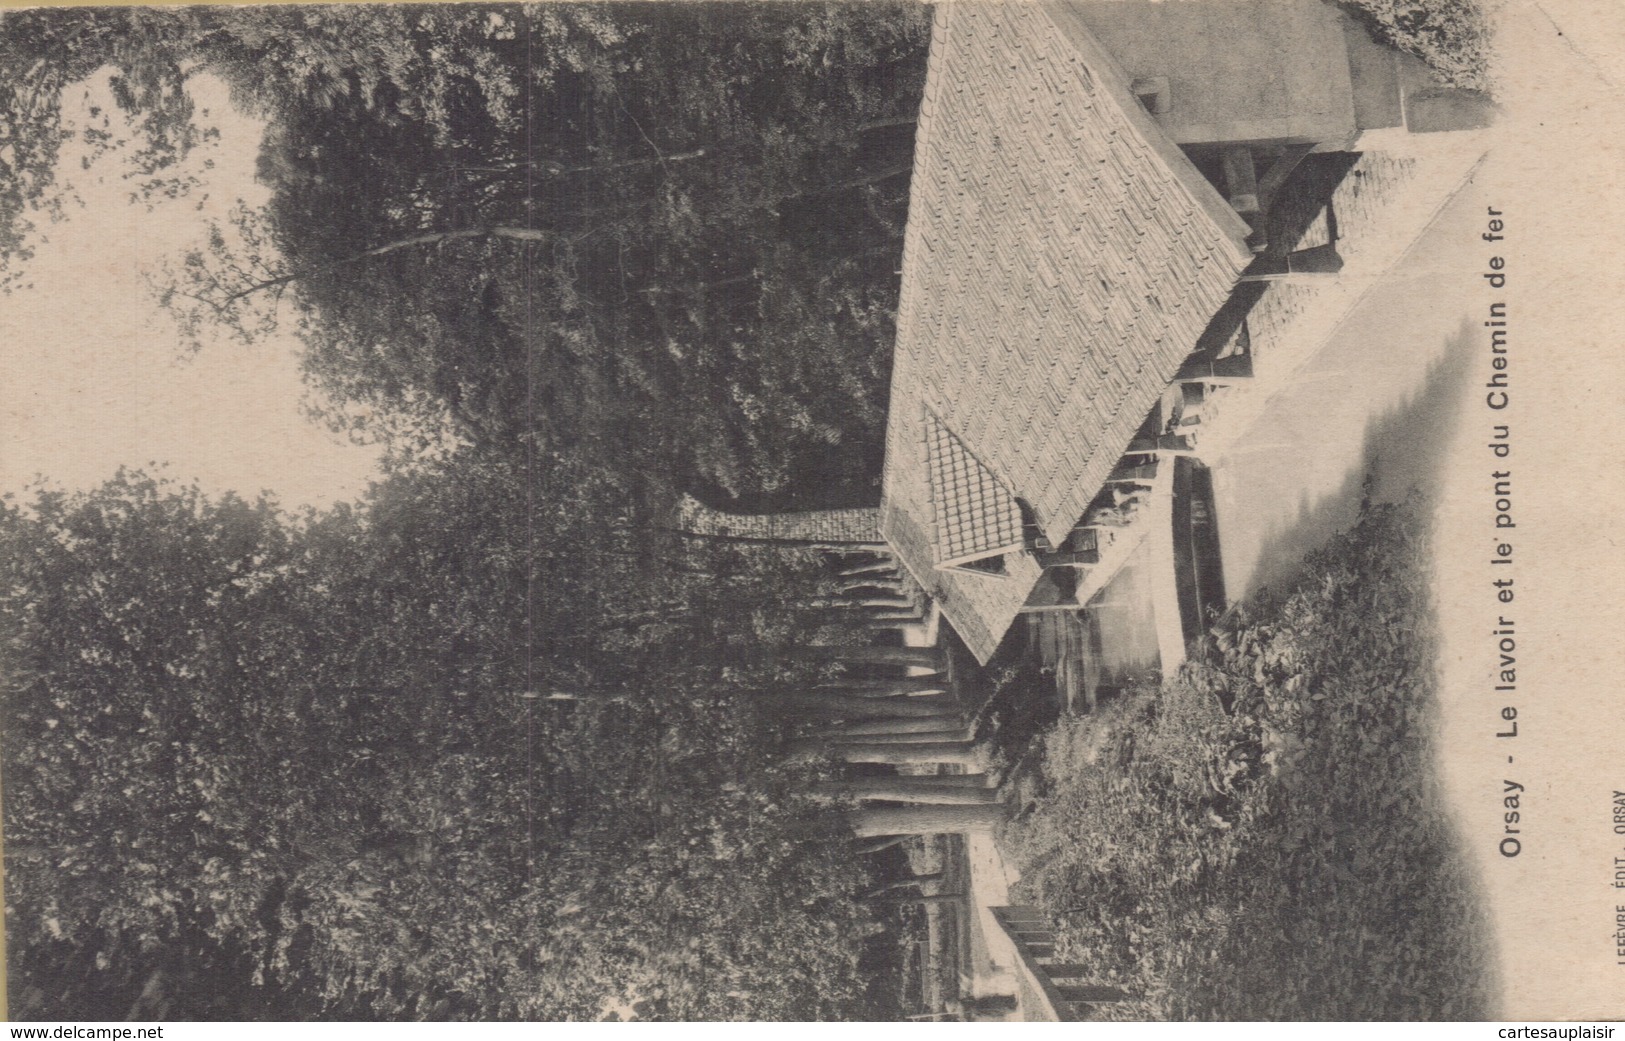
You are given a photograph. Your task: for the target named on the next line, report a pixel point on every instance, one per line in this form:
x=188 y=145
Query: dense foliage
x=491 y=742
x=1451 y=36
x=1263 y=837
x=661 y=237
x=334 y=754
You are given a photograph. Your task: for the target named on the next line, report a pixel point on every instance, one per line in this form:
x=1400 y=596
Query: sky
x=92 y=376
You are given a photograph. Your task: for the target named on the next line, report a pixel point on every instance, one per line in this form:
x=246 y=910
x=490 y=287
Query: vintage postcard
x=1005 y=511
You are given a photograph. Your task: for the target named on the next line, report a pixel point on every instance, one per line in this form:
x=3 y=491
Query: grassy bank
x=1263 y=837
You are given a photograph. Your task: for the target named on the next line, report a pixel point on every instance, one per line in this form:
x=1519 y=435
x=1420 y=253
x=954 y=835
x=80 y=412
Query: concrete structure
x=1270 y=73
x=1229 y=71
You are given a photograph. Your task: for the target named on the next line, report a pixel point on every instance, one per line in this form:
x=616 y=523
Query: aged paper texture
x=802 y=512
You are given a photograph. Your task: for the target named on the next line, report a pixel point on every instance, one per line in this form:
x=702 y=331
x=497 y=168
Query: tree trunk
x=909 y=790
x=875 y=845
x=901 y=884
x=905 y=737
x=867 y=616
x=497 y=231
x=1090 y=993
x=948 y=780
x=881 y=729
x=883 y=174
x=888 y=688
x=835 y=706
x=703 y=287
x=876 y=602
x=922 y=657
x=552 y=168
x=925 y=820
x=830 y=740
x=916 y=898
x=953 y=753
x=879 y=567
x=910 y=624
x=881 y=124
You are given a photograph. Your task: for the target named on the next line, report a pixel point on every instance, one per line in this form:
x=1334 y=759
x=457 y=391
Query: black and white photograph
x=996 y=511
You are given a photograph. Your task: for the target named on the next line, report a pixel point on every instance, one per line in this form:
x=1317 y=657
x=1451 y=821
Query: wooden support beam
x=1313 y=264
x=1217 y=370
x=1280 y=169
x=1069 y=558
x=1240 y=179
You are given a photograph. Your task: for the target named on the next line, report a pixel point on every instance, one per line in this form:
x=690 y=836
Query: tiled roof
x=1061 y=260
x=973 y=513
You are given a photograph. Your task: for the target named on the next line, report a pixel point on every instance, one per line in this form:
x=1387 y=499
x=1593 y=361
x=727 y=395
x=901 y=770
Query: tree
x=926 y=820
x=927 y=790
x=952 y=753
x=670 y=196
x=305 y=747
x=44 y=53
x=141 y=624
x=489 y=742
